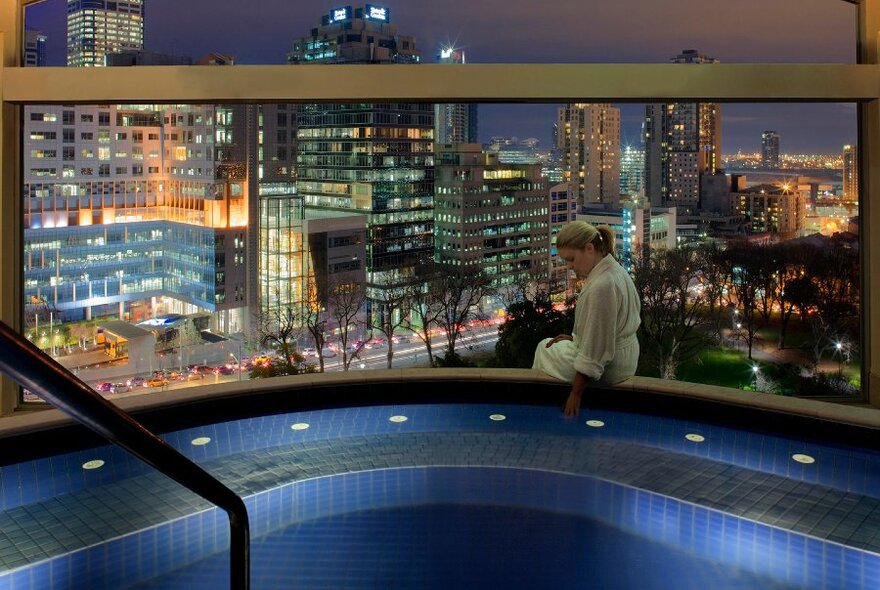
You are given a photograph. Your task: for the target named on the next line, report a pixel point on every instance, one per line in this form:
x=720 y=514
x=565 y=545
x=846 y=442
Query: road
x=411 y=354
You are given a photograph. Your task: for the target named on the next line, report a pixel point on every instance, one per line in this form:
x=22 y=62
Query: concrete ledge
x=35 y=420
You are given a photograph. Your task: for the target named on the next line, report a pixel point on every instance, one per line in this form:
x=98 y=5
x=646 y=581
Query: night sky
x=560 y=31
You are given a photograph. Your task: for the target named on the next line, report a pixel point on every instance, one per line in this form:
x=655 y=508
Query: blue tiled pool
x=423 y=496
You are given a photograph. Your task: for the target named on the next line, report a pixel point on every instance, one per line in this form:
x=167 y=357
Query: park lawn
x=719 y=366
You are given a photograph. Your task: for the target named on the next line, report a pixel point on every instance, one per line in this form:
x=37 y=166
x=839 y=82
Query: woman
x=603 y=347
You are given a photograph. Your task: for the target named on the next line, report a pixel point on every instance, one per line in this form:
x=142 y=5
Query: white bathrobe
x=604 y=345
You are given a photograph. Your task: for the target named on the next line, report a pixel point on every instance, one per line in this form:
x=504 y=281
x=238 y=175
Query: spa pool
x=455 y=496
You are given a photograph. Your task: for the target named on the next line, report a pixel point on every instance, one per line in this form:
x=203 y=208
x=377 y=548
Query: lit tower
x=371 y=159
x=682 y=142
x=588 y=138
x=850 y=174
x=98 y=27
x=770 y=150
x=454 y=123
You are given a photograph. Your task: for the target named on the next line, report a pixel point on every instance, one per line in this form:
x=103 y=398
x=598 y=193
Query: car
x=224 y=370
x=136 y=382
x=104 y=386
x=309 y=352
x=156 y=382
x=195 y=376
x=328 y=353
x=397 y=339
x=120 y=388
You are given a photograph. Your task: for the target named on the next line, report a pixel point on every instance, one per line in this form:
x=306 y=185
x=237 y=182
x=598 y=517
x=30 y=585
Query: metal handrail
x=31 y=368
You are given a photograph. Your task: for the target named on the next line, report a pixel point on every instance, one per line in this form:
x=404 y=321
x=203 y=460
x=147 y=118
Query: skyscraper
x=34 y=48
x=455 y=123
x=850 y=174
x=632 y=170
x=98 y=27
x=770 y=150
x=588 y=137
x=682 y=142
x=372 y=159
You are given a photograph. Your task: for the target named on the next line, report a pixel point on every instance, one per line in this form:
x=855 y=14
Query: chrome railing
x=27 y=365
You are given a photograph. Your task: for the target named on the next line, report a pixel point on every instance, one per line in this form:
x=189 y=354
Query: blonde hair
x=578 y=234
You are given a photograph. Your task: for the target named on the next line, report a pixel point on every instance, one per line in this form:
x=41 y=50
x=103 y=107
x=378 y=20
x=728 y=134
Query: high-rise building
x=455 y=123
x=563 y=208
x=372 y=159
x=769 y=208
x=632 y=170
x=850 y=174
x=682 y=142
x=588 y=137
x=490 y=217
x=34 y=49
x=770 y=150
x=135 y=210
x=98 y=27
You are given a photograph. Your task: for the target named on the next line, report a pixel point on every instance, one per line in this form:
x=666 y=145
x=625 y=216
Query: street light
x=756 y=370
x=237 y=362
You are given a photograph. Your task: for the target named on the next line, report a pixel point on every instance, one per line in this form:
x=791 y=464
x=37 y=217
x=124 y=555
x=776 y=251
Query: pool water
x=446 y=546
x=455 y=496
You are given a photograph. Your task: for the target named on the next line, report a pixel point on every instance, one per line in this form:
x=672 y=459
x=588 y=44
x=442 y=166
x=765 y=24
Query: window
x=68 y=117
x=104 y=118
x=86 y=118
x=68 y=153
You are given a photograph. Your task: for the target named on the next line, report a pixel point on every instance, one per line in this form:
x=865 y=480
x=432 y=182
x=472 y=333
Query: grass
x=720 y=366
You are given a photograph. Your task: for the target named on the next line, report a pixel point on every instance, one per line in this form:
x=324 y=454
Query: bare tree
x=391 y=298
x=672 y=326
x=314 y=321
x=459 y=298
x=743 y=267
x=347 y=302
x=280 y=330
x=425 y=309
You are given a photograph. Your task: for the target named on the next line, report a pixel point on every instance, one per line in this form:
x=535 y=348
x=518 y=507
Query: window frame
x=481 y=83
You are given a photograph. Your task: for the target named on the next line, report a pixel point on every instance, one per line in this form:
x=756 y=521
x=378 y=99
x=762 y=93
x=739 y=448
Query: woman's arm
x=578 y=386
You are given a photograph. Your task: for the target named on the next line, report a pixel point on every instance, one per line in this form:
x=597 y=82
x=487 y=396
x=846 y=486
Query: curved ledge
x=31 y=421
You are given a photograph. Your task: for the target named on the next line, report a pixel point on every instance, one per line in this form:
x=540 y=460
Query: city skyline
x=818 y=31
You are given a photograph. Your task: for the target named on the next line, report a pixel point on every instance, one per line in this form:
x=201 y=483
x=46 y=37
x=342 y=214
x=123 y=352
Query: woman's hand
x=558 y=338
x=573 y=404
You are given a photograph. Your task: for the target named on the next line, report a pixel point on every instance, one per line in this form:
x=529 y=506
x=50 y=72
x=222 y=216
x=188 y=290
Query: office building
x=682 y=142
x=588 y=138
x=563 y=208
x=34 y=49
x=98 y=27
x=371 y=159
x=489 y=216
x=512 y=150
x=770 y=150
x=850 y=174
x=637 y=227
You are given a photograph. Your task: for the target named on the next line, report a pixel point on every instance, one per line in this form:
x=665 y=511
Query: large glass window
x=349 y=235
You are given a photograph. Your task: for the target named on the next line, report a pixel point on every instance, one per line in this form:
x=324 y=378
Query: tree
x=743 y=268
x=391 y=299
x=672 y=329
x=279 y=331
x=347 y=302
x=530 y=319
x=425 y=310
x=314 y=321
x=459 y=297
